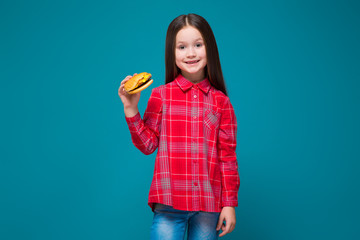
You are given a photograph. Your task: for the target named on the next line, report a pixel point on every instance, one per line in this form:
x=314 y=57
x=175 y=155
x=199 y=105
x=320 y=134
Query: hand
x=227 y=214
x=130 y=101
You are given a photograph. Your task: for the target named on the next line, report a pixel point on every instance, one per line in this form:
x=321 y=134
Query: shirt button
x=195 y=96
x=194 y=117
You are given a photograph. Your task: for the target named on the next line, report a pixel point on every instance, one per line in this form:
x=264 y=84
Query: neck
x=194 y=78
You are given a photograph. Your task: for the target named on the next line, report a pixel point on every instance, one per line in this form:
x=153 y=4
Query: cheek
x=178 y=55
x=203 y=53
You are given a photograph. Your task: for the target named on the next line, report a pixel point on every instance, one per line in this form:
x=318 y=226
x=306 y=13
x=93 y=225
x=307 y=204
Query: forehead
x=188 y=34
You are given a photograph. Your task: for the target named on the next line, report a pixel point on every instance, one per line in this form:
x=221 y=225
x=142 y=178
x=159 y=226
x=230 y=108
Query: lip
x=192 y=62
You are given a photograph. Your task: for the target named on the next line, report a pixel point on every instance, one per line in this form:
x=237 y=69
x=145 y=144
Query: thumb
x=220 y=223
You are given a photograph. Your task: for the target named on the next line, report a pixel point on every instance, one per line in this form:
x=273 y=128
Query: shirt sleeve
x=230 y=179
x=145 y=132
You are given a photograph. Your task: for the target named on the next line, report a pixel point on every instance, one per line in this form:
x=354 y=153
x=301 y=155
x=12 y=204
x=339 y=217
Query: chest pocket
x=211 y=118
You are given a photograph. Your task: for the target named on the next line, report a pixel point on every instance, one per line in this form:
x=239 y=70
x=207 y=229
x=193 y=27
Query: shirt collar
x=185 y=84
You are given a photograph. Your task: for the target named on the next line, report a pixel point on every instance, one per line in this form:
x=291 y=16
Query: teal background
x=68 y=168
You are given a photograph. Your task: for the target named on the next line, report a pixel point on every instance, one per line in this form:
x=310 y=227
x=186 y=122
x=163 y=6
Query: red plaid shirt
x=194 y=128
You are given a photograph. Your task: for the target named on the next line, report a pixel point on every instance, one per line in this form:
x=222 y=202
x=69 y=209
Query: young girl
x=192 y=123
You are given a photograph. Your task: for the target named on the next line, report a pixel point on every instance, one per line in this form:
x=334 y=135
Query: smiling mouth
x=192 y=62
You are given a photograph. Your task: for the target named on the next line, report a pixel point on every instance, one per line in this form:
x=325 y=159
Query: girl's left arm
x=230 y=180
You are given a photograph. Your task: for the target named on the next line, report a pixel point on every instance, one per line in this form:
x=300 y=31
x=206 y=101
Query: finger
x=222 y=234
x=225 y=230
x=127 y=77
x=220 y=223
x=121 y=90
x=122 y=85
x=232 y=226
x=223 y=227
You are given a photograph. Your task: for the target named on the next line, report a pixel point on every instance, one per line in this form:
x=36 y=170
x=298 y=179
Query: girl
x=192 y=122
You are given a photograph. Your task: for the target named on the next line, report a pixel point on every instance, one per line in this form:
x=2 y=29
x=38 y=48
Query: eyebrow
x=194 y=41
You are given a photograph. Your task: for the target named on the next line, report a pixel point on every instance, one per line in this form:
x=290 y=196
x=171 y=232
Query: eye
x=199 y=45
x=181 y=47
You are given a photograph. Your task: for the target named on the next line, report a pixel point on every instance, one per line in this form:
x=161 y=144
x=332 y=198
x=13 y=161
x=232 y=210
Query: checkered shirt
x=194 y=128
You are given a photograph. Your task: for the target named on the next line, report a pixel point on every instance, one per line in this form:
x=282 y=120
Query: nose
x=191 y=52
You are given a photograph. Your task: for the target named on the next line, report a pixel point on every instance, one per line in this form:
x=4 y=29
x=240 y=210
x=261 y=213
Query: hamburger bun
x=138 y=83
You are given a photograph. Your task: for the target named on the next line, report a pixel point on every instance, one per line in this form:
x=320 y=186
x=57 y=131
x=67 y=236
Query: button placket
x=195 y=88
x=194 y=96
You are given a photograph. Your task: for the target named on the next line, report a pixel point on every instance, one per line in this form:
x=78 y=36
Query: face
x=190 y=54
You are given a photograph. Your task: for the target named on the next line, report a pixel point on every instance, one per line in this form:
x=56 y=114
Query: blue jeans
x=170 y=224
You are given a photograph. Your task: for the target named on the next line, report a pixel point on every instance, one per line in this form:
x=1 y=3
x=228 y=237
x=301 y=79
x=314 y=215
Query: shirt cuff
x=230 y=204
x=134 y=122
x=133 y=119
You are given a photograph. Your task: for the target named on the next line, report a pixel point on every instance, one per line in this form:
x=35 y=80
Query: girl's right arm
x=144 y=132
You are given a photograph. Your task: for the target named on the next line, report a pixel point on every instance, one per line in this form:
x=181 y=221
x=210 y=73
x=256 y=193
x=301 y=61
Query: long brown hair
x=213 y=68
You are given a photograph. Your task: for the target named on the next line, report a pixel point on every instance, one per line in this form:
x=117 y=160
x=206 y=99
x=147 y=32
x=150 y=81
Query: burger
x=138 y=83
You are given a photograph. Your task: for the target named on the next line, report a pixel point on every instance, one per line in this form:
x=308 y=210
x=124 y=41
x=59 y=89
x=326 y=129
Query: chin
x=192 y=70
